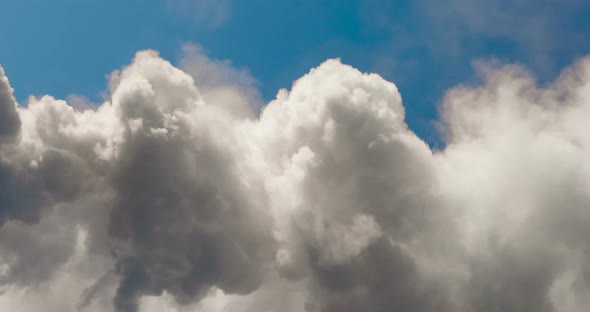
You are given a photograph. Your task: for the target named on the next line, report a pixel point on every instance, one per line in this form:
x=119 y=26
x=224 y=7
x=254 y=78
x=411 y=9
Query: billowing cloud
x=170 y=196
x=183 y=219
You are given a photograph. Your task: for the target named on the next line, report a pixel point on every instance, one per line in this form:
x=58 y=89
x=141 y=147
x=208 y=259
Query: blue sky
x=424 y=46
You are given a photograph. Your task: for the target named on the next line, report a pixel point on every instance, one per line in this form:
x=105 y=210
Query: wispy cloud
x=536 y=27
x=220 y=83
x=209 y=13
x=454 y=30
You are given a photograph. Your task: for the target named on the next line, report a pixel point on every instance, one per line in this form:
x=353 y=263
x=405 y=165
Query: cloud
x=209 y=13
x=168 y=197
x=519 y=22
x=220 y=83
x=9 y=122
x=175 y=171
x=80 y=103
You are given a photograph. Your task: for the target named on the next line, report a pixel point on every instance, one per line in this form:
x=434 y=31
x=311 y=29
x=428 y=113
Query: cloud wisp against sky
x=177 y=194
x=204 y=13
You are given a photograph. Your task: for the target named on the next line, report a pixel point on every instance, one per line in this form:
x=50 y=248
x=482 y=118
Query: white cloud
x=165 y=198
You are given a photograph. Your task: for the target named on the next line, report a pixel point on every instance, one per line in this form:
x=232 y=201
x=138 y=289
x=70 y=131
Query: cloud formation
x=169 y=197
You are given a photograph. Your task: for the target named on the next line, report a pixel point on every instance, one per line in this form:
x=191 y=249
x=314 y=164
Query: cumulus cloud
x=170 y=196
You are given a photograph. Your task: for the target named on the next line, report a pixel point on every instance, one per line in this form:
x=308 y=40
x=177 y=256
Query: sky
x=294 y=156
x=69 y=47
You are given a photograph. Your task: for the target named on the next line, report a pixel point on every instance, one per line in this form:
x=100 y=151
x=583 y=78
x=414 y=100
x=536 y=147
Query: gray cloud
x=9 y=119
x=182 y=220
